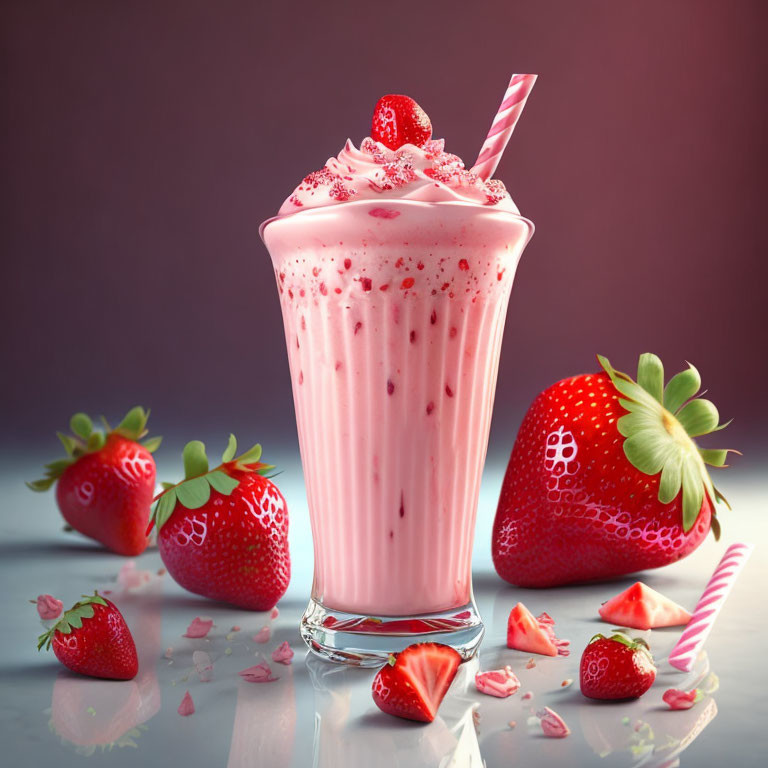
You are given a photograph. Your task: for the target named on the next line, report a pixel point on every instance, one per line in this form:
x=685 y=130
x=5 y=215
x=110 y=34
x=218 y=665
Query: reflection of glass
x=393 y=324
x=351 y=732
x=656 y=737
x=265 y=721
x=102 y=714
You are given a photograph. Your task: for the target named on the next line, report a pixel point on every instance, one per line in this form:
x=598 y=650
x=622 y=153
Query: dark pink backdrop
x=144 y=141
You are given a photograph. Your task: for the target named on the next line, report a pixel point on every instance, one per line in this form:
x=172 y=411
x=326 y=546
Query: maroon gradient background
x=143 y=142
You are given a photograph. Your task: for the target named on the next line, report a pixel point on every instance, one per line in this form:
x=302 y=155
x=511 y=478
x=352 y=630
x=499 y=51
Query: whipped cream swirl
x=374 y=172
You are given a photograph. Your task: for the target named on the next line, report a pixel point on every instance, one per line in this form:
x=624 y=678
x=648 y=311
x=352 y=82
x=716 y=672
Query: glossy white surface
x=319 y=714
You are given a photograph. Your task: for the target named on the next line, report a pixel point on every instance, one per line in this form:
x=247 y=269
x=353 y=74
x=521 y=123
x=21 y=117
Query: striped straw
x=503 y=124
x=710 y=603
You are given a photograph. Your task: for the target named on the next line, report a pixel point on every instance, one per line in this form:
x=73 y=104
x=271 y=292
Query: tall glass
x=394 y=313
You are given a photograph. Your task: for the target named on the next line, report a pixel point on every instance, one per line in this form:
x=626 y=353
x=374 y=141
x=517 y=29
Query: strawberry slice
x=413 y=683
x=641 y=607
x=533 y=634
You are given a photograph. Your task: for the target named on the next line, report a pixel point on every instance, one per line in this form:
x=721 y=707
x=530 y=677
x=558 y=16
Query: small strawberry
x=605 y=478
x=223 y=533
x=413 y=683
x=104 y=487
x=92 y=638
x=616 y=667
x=399 y=120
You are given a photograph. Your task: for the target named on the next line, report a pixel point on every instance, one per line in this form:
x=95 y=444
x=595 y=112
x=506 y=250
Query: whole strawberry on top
x=399 y=120
x=93 y=639
x=605 y=478
x=223 y=533
x=616 y=667
x=105 y=485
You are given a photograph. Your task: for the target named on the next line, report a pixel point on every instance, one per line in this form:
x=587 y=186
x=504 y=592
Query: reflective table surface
x=321 y=714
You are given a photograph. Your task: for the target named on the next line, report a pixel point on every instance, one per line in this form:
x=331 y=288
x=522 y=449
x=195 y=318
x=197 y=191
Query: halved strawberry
x=641 y=607
x=413 y=683
x=533 y=634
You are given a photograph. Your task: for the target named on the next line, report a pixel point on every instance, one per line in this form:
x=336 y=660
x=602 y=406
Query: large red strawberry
x=413 y=683
x=605 y=478
x=616 y=667
x=104 y=487
x=93 y=639
x=399 y=120
x=223 y=533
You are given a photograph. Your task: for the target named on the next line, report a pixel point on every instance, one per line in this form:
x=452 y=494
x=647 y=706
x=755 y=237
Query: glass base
x=367 y=641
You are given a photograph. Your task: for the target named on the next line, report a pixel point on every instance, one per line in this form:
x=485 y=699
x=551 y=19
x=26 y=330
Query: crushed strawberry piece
x=187 y=706
x=198 y=628
x=676 y=699
x=260 y=673
x=48 y=607
x=263 y=635
x=498 y=682
x=283 y=654
x=552 y=724
x=203 y=666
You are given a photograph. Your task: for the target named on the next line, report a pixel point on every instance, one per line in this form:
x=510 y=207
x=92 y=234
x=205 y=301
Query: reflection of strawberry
x=100 y=714
x=93 y=639
x=399 y=120
x=616 y=667
x=413 y=683
x=223 y=533
x=104 y=487
x=605 y=478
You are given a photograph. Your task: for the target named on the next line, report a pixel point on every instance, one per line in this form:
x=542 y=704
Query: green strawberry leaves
x=659 y=428
x=71 y=619
x=85 y=439
x=195 y=490
x=621 y=636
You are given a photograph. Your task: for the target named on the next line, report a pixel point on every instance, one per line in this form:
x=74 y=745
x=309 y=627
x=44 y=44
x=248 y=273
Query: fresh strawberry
x=616 y=667
x=641 y=607
x=93 y=639
x=223 y=533
x=413 y=683
x=104 y=487
x=399 y=120
x=605 y=478
x=534 y=635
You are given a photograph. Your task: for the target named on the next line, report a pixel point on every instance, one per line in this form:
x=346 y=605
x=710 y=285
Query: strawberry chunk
x=413 y=683
x=534 y=634
x=641 y=607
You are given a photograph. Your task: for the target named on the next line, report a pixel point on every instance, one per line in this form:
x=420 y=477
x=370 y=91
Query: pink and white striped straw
x=697 y=630
x=503 y=124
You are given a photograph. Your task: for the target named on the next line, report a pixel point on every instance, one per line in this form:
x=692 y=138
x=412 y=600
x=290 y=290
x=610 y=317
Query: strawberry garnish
x=223 y=532
x=399 y=120
x=105 y=484
x=606 y=478
x=93 y=639
x=413 y=683
x=616 y=667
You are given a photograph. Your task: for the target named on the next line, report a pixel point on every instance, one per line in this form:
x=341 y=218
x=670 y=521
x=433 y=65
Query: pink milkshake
x=394 y=270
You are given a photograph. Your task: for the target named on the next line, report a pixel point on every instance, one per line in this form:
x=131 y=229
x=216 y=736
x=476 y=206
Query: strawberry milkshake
x=394 y=265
